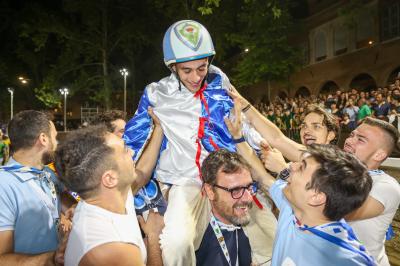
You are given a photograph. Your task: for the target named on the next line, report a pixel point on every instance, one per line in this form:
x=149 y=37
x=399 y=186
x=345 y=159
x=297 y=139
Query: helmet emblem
x=189 y=34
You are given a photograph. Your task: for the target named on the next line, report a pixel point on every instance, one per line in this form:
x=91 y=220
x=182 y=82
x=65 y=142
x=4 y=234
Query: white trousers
x=187 y=218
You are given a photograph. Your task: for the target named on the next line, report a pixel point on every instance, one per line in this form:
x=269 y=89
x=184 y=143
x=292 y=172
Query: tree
x=91 y=38
x=263 y=38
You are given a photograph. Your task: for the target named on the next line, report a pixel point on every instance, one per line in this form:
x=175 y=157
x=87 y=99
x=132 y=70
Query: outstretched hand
x=236 y=95
x=272 y=158
x=154 y=223
x=156 y=121
x=235 y=126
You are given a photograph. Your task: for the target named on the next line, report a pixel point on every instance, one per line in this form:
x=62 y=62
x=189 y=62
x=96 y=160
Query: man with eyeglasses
x=230 y=188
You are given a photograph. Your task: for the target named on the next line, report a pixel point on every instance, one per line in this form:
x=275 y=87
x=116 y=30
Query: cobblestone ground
x=393 y=246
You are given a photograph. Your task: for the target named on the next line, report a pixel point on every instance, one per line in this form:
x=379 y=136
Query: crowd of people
x=189 y=180
x=349 y=107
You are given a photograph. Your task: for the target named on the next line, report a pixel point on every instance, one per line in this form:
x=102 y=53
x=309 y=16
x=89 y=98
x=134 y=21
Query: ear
x=330 y=137
x=317 y=199
x=380 y=155
x=42 y=139
x=209 y=191
x=109 y=179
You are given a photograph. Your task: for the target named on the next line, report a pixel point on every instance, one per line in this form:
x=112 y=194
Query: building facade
x=344 y=47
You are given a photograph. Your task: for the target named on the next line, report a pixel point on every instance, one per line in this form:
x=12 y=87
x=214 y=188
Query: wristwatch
x=284 y=174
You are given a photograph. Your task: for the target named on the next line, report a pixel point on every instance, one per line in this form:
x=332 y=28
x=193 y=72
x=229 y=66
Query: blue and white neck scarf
x=44 y=177
x=340 y=234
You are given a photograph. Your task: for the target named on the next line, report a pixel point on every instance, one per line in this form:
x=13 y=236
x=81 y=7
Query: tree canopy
x=83 y=44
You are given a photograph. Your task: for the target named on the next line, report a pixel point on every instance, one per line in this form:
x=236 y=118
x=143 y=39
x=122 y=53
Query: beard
x=228 y=212
x=49 y=155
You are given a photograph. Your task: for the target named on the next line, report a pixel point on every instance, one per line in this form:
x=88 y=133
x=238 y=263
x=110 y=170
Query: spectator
x=97 y=165
x=334 y=110
x=345 y=123
x=352 y=111
x=113 y=119
x=364 y=110
x=271 y=116
x=372 y=142
x=313 y=203
x=29 y=202
x=381 y=108
x=229 y=186
x=4 y=148
x=313 y=206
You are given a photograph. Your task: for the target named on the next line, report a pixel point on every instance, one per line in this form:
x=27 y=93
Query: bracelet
x=236 y=141
x=246 y=108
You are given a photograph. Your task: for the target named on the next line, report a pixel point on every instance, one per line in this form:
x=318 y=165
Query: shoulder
x=385 y=189
x=276 y=193
x=113 y=254
x=216 y=73
x=164 y=85
x=385 y=180
x=8 y=181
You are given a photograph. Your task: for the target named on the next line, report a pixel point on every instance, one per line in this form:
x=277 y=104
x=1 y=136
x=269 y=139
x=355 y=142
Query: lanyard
x=50 y=203
x=221 y=240
x=340 y=234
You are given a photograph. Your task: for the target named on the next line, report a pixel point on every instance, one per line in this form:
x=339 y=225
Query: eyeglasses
x=237 y=192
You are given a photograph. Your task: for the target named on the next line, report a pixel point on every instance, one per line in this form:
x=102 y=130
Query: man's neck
x=112 y=201
x=220 y=218
x=31 y=158
x=373 y=165
x=311 y=219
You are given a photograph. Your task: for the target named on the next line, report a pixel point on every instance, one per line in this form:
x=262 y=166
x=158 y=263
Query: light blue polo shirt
x=22 y=211
x=295 y=247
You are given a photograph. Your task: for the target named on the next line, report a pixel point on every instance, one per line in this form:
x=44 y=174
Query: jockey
x=191 y=105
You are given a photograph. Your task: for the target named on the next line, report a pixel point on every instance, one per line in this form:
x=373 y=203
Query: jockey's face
x=192 y=73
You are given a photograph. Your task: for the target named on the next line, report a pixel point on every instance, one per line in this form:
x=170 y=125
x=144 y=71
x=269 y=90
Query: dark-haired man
x=229 y=187
x=372 y=142
x=381 y=108
x=114 y=121
x=29 y=202
x=312 y=203
x=323 y=186
x=99 y=167
x=318 y=126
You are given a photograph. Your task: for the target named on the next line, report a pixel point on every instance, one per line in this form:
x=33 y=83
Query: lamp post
x=64 y=91
x=124 y=72
x=11 y=91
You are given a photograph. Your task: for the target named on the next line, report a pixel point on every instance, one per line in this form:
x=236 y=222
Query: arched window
x=340 y=40
x=393 y=75
x=364 y=82
x=282 y=95
x=320 y=46
x=329 y=87
x=303 y=91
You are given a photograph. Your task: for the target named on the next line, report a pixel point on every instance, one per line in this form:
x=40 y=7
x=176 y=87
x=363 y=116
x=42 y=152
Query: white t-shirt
x=372 y=232
x=93 y=226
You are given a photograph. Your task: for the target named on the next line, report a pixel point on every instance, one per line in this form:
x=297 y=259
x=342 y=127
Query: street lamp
x=11 y=91
x=64 y=91
x=124 y=72
x=23 y=80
